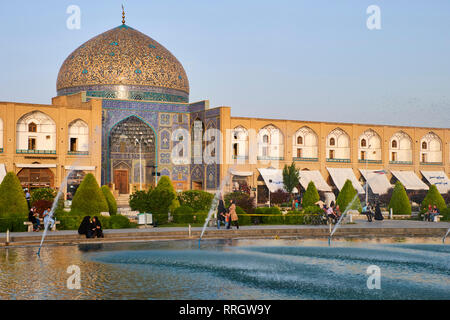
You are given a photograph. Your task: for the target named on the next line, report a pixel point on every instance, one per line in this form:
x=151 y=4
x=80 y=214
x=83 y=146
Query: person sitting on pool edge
x=97 y=228
x=86 y=227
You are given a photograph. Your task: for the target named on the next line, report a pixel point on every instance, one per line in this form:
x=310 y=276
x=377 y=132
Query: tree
x=242 y=199
x=399 y=200
x=47 y=194
x=165 y=184
x=196 y=199
x=311 y=195
x=13 y=205
x=432 y=198
x=89 y=199
x=290 y=177
x=110 y=200
x=348 y=192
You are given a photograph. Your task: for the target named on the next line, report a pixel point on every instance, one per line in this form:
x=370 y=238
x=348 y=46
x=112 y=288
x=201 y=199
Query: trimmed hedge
x=196 y=199
x=433 y=197
x=13 y=205
x=164 y=183
x=311 y=195
x=183 y=214
x=346 y=195
x=89 y=199
x=399 y=201
x=110 y=200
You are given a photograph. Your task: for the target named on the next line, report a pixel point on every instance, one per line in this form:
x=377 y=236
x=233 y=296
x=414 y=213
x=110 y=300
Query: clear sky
x=287 y=59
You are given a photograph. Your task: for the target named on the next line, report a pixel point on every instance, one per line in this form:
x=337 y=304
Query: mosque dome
x=123 y=63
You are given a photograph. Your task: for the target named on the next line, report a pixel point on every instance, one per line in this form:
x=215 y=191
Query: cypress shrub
x=13 y=205
x=89 y=199
x=110 y=200
x=399 y=200
x=164 y=183
x=196 y=199
x=346 y=195
x=311 y=195
x=433 y=197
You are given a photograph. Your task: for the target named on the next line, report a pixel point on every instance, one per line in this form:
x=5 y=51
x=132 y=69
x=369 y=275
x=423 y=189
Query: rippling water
x=239 y=269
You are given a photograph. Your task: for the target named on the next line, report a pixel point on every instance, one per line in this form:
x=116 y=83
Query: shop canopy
x=273 y=178
x=2 y=172
x=410 y=180
x=241 y=173
x=314 y=176
x=36 y=165
x=439 y=179
x=377 y=180
x=340 y=175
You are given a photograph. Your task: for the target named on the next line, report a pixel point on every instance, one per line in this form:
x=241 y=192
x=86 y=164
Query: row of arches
x=36 y=132
x=305 y=144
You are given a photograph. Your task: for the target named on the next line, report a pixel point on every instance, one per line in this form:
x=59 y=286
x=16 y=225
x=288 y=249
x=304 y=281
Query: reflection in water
x=230 y=269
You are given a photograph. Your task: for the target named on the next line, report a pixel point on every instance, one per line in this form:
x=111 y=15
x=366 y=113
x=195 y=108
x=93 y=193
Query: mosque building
x=121 y=98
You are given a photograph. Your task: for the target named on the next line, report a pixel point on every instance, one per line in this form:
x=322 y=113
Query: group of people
x=332 y=212
x=91 y=228
x=432 y=212
x=227 y=216
x=372 y=213
x=34 y=218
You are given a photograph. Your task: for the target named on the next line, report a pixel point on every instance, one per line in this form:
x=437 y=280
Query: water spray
x=341 y=218
x=214 y=204
x=443 y=239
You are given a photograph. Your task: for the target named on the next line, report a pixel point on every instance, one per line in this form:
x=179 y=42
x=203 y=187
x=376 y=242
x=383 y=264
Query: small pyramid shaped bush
x=348 y=192
x=110 y=200
x=433 y=197
x=89 y=199
x=311 y=195
x=399 y=201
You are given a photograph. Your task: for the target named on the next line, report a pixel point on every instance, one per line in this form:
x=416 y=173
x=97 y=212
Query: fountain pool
x=231 y=269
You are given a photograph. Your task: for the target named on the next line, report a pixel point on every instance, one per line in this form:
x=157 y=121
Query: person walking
x=221 y=212
x=233 y=215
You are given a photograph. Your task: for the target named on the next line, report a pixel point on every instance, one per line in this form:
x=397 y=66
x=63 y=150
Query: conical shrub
x=13 y=205
x=110 y=200
x=348 y=192
x=311 y=195
x=399 y=201
x=164 y=183
x=89 y=199
x=433 y=197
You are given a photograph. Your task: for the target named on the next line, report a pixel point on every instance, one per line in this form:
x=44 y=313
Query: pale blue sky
x=288 y=59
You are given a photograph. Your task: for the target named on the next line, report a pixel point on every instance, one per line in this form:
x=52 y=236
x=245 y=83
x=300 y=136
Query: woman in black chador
x=378 y=214
x=97 y=228
x=221 y=212
x=86 y=227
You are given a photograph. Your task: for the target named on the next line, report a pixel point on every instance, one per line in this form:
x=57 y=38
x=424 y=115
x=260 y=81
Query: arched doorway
x=33 y=178
x=132 y=154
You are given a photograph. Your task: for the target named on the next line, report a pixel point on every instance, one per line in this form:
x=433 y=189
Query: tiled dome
x=124 y=63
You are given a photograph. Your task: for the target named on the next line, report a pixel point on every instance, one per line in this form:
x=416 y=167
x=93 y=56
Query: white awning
x=316 y=177
x=81 y=168
x=273 y=179
x=340 y=175
x=377 y=180
x=35 y=165
x=439 y=179
x=2 y=172
x=410 y=180
x=241 y=173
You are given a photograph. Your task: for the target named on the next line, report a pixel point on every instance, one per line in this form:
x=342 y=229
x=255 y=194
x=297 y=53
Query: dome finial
x=123 y=15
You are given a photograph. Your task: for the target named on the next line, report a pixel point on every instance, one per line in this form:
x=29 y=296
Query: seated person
x=48 y=220
x=86 y=227
x=434 y=213
x=367 y=212
x=330 y=214
x=33 y=217
x=427 y=215
x=97 y=228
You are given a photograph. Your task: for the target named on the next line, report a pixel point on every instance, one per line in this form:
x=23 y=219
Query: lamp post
x=139 y=141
